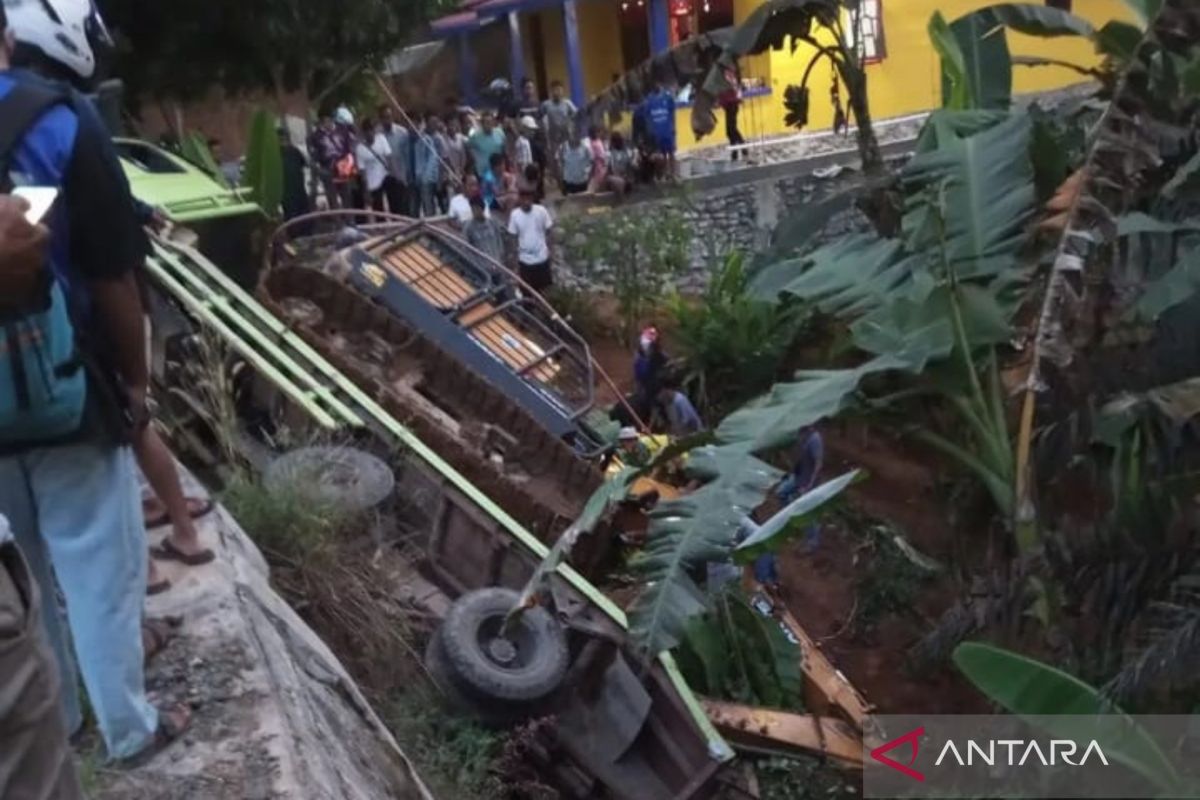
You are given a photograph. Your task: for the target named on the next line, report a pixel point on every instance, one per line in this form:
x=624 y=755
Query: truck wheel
x=492 y=713
x=525 y=666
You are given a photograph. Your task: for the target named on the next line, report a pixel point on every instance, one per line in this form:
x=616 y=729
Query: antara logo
x=990 y=752
x=913 y=739
x=1062 y=751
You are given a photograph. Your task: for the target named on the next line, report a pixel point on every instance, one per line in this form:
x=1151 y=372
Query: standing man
x=35 y=759
x=485 y=143
x=731 y=101
x=395 y=185
x=67 y=480
x=807 y=461
x=659 y=115
x=530 y=104
x=429 y=168
x=295 y=199
x=324 y=145
x=558 y=120
x=531 y=224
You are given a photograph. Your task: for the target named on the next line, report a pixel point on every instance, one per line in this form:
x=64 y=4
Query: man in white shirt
x=531 y=224
x=373 y=154
x=460 y=204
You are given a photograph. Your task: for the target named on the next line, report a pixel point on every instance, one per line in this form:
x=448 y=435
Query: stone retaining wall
x=731 y=212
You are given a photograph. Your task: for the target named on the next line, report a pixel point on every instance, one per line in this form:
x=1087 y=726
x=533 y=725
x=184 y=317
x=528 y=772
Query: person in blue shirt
x=74 y=505
x=658 y=112
x=807 y=460
x=490 y=181
x=682 y=417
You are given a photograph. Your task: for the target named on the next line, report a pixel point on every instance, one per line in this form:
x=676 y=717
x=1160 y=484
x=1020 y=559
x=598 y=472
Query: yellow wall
x=907 y=81
x=600 y=43
x=555 y=46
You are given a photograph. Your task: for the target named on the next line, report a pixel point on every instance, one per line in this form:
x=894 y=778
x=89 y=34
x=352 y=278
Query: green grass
x=455 y=756
x=287 y=521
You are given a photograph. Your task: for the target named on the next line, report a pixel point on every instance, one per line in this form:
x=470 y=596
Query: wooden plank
x=767 y=730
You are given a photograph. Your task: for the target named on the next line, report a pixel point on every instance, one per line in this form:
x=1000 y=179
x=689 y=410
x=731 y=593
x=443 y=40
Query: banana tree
x=977 y=63
x=819 y=24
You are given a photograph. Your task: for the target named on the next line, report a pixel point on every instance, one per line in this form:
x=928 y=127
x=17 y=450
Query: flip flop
x=169 y=552
x=157 y=633
x=158 y=588
x=197 y=508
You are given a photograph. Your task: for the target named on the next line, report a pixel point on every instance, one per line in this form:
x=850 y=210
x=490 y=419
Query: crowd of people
x=413 y=163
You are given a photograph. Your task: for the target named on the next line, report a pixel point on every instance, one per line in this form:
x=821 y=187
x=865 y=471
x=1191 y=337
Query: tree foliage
x=179 y=50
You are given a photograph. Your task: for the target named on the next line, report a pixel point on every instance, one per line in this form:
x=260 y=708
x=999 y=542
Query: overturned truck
x=396 y=338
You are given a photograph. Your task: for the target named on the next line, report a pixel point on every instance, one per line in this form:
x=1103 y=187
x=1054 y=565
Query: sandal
x=197 y=508
x=169 y=552
x=158 y=587
x=157 y=633
x=173 y=722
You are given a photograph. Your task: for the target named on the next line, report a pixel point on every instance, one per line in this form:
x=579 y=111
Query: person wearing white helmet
x=68 y=37
x=68 y=485
x=633 y=452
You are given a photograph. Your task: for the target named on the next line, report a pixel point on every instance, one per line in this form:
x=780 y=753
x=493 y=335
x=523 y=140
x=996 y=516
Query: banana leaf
x=776 y=21
x=771 y=661
x=774 y=419
x=194 y=148
x=264 y=164
x=684 y=535
x=834 y=271
x=1137 y=222
x=1145 y=10
x=733 y=652
x=1033 y=19
x=1175 y=287
x=790 y=519
x=957 y=91
x=988 y=197
x=986 y=67
x=1029 y=688
x=1183 y=177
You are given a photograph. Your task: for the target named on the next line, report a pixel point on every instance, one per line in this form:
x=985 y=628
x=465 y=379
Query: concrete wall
x=735 y=211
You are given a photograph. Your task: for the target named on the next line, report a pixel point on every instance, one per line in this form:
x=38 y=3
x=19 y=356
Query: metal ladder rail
x=206 y=310
x=229 y=304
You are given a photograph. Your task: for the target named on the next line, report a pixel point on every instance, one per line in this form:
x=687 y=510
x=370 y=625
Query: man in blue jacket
x=71 y=493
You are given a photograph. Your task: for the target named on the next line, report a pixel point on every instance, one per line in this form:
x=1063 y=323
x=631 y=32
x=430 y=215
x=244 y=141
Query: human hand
x=22 y=249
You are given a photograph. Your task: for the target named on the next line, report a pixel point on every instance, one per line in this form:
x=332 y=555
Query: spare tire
x=526 y=666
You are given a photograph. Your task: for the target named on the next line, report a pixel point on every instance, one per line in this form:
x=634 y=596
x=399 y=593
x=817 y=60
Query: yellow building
x=585 y=44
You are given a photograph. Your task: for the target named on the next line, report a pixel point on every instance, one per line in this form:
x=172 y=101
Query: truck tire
x=489 y=712
x=526 y=667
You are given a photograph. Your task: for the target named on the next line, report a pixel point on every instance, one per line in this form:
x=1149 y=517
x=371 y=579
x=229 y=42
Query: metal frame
x=553 y=411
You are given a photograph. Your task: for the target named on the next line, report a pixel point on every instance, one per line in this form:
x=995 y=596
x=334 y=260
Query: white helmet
x=68 y=32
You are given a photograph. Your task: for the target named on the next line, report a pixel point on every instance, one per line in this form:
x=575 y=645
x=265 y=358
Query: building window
x=871 y=46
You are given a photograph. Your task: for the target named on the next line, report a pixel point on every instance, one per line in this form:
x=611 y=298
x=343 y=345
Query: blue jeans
x=75 y=512
x=766 y=569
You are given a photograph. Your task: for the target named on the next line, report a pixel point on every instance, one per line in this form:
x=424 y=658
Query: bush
x=287 y=521
x=732 y=344
x=638 y=253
